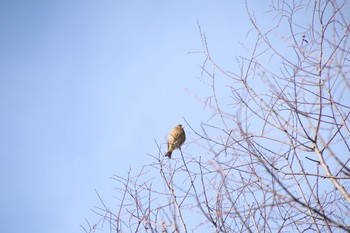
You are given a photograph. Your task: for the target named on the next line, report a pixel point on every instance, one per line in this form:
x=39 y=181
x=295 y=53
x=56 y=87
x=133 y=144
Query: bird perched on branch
x=176 y=138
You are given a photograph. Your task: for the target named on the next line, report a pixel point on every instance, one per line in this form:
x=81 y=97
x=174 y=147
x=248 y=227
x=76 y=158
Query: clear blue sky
x=85 y=89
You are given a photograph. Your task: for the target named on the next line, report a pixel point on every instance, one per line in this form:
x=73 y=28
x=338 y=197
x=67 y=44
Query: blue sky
x=86 y=87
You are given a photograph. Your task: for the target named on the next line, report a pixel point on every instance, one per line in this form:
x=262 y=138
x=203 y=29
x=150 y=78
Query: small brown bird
x=176 y=138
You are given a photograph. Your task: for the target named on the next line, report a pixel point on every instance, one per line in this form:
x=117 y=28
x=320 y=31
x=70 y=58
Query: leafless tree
x=274 y=155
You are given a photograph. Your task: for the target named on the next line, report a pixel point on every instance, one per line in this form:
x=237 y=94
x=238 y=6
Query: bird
x=176 y=138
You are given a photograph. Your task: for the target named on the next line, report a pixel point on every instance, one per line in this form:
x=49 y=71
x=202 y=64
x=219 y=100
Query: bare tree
x=274 y=155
